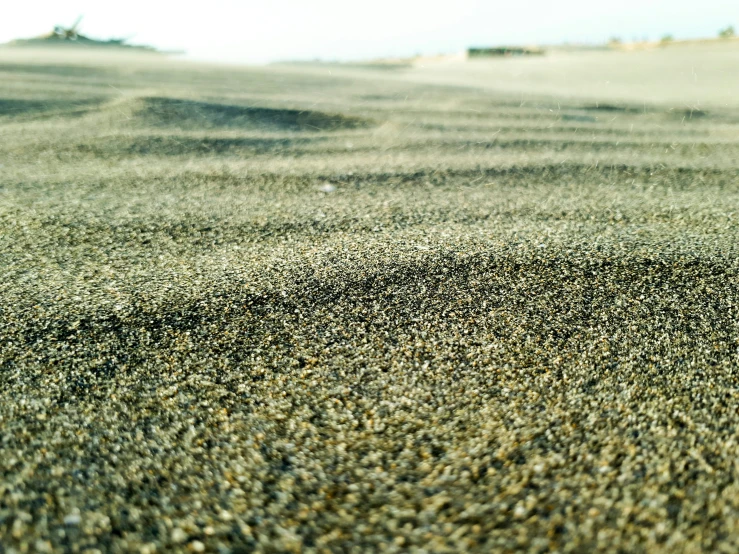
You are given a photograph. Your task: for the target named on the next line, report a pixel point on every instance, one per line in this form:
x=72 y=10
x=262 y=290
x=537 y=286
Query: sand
x=326 y=309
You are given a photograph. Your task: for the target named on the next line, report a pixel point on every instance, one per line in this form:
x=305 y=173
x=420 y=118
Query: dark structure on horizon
x=503 y=51
x=70 y=36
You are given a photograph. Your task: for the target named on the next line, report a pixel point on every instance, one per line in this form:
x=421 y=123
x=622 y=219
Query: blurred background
x=332 y=30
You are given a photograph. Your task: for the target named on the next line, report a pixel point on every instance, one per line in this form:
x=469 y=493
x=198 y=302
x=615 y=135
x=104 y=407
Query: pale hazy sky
x=260 y=31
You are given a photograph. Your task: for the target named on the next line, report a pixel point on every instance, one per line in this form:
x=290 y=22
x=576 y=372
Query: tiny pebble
x=72 y=519
x=178 y=535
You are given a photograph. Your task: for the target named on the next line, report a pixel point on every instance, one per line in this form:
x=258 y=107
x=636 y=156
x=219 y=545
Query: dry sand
x=324 y=309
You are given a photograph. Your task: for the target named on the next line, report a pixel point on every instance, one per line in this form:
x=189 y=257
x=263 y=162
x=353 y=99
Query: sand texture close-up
x=481 y=306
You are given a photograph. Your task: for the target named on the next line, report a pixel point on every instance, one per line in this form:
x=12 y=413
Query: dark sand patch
x=173 y=112
x=610 y=108
x=172 y=145
x=21 y=107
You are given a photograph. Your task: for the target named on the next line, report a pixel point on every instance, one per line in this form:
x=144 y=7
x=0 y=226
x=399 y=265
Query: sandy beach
x=482 y=306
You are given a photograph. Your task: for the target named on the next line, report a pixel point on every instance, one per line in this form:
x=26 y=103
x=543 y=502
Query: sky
x=260 y=31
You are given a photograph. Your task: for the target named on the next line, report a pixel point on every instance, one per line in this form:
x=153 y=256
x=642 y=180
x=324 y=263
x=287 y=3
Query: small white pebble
x=178 y=535
x=72 y=519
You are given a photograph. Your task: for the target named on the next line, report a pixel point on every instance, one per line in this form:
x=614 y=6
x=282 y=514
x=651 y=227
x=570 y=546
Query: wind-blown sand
x=325 y=309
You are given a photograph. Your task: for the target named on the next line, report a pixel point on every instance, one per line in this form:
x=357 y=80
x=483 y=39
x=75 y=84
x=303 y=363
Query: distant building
x=503 y=51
